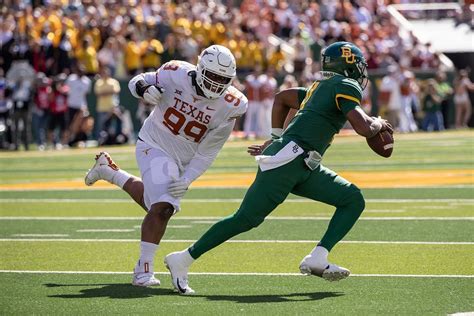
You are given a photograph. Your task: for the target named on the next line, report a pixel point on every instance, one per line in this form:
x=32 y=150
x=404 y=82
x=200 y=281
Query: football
x=382 y=144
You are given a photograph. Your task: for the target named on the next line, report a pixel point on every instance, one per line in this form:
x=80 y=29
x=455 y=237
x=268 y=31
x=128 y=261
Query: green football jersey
x=322 y=113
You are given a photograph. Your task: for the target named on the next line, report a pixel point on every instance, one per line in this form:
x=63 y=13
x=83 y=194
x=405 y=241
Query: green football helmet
x=346 y=59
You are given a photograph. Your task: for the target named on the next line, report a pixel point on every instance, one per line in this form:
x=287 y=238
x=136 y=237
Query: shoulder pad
x=236 y=101
x=350 y=85
x=174 y=72
x=351 y=81
x=176 y=65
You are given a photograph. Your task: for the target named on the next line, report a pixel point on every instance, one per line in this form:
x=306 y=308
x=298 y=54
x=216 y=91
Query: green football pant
x=270 y=188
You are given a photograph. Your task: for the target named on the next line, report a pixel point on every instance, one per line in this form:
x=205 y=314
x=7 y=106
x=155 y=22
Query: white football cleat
x=145 y=280
x=331 y=272
x=103 y=169
x=179 y=272
x=143 y=275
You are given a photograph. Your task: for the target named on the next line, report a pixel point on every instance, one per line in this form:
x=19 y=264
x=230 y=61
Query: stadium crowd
x=55 y=54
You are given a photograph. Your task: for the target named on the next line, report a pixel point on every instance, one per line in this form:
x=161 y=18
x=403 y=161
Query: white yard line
x=40 y=200
x=40 y=235
x=105 y=230
x=243 y=241
x=247 y=274
x=386 y=211
x=296 y=218
x=215 y=187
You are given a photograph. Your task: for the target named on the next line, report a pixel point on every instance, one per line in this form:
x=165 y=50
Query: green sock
x=341 y=222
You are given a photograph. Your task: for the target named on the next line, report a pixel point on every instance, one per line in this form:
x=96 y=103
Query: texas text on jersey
x=182 y=120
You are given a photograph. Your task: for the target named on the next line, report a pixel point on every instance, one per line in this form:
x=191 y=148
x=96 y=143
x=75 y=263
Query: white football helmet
x=215 y=70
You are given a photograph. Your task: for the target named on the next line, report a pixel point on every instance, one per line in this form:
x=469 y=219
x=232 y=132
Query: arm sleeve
x=348 y=95
x=207 y=151
x=149 y=77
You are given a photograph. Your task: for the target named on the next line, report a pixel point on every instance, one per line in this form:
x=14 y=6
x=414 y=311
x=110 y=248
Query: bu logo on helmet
x=347 y=53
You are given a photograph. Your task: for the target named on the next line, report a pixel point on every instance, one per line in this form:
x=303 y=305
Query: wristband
x=276 y=132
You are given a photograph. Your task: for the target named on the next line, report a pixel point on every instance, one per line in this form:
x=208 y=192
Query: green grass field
x=68 y=249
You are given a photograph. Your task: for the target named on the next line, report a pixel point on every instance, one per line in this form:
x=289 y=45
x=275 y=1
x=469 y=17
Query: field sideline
x=67 y=248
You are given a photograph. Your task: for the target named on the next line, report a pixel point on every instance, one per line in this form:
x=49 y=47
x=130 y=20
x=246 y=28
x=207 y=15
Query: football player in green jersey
x=291 y=163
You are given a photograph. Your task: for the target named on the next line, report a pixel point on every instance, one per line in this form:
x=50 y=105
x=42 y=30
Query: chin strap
x=199 y=91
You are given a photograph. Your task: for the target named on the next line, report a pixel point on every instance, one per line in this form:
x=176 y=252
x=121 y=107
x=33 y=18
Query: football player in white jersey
x=194 y=114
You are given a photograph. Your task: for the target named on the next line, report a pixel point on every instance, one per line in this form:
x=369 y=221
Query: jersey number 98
x=175 y=121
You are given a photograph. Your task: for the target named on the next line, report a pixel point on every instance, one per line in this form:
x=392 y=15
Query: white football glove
x=152 y=95
x=178 y=188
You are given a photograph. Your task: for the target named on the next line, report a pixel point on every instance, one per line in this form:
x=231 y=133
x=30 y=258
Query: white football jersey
x=184 y=123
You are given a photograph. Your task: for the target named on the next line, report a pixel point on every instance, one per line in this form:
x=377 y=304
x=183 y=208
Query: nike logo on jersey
x=210 y=109
x=146 y=151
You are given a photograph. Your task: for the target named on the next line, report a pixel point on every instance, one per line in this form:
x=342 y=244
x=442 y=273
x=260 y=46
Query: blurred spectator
x=20 y=49
x=130 y=37
x=253 y=89
x=41 y=109
x=62 y=55
x=267 y=90
x=163 y=28
x=289 y=82
x=5 y=108
x=433 y=119
x=79 y=86
x=464 y=16
x=81 y=131
x=390 y=98
x=57 y=128
x=302 y=53
x=87 y=56
x=151 y=50
x=20 y=80
x=408 y=90
x=108 y=55
x=143 y=111
x=445 y=91
x=106 y=89
x=170 y=50
x=462 y=102
x=120 y=68
x=114 y=130
x=276 y=59
x=189 y=48
x=132 y=54
x=6 y=41
x=39 y=57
